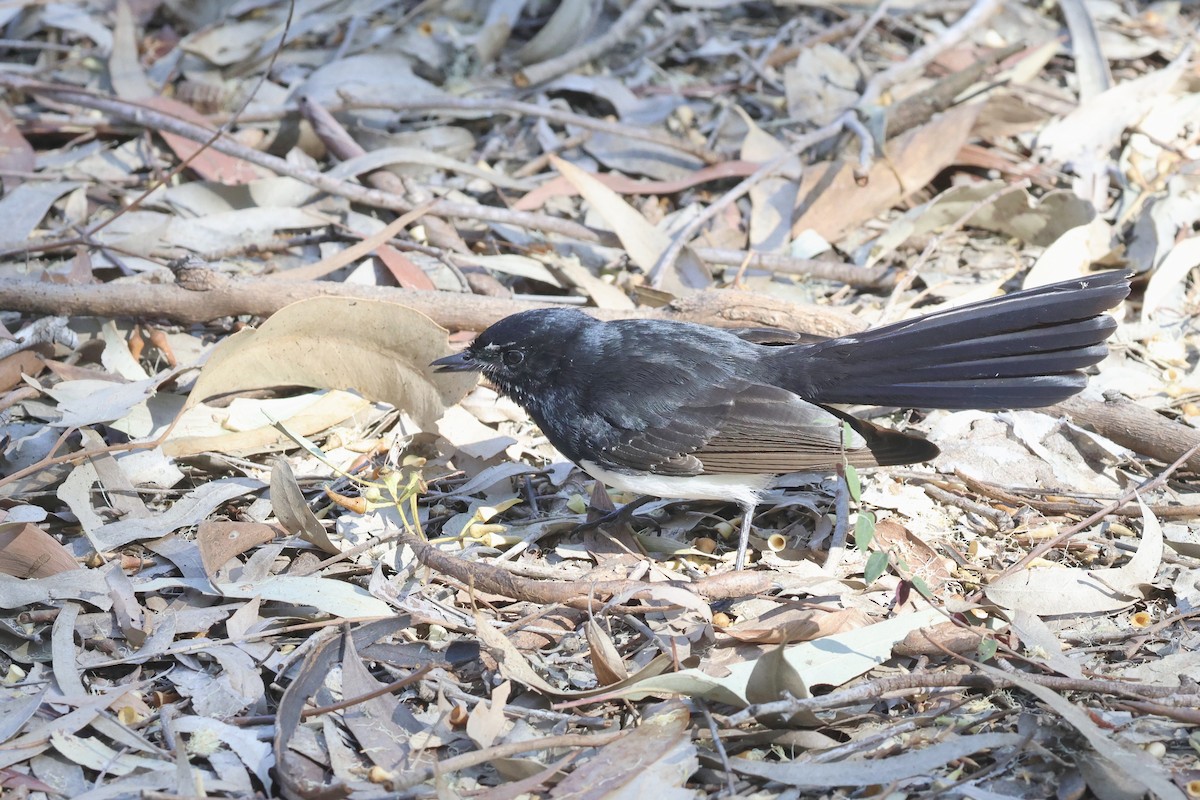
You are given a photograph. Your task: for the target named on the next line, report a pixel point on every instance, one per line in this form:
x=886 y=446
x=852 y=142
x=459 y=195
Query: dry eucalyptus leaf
x=606 y=660
x=644 y=242
x=27 y=551
x=293 y=512
x=833 y=202
x=221 y=541
x=653 y=760
x=1053 y=591
x=381 y=350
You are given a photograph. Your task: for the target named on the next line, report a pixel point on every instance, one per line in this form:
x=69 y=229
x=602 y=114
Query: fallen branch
x=490 y=579
x=1141 y=429
x=216 y=295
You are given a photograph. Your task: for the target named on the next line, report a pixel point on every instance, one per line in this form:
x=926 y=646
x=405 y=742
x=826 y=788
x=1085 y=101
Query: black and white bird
x=679 y=410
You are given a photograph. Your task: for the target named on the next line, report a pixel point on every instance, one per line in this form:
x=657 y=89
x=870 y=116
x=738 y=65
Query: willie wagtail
x=679 y=410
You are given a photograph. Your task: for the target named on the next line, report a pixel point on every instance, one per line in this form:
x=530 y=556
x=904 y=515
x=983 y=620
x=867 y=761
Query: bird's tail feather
x=1023 y=350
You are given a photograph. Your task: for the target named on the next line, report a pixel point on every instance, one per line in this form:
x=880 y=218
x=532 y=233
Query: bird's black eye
x=513 y=357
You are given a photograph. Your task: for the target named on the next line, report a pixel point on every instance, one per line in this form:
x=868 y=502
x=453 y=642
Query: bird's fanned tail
x=1023 y=350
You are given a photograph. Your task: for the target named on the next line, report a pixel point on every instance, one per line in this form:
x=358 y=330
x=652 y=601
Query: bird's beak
x=459 y=362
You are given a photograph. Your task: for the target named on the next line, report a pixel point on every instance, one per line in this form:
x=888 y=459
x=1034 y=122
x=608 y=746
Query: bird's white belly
x=741 y=489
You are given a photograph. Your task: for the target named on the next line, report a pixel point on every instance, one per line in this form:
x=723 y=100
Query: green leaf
x=921 y=586
x=853 y=484
x=877 y=564
x=864 y=530
x=987 y=649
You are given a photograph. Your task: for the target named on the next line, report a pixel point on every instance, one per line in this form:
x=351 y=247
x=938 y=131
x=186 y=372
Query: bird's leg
x=744 y=534
x=625 y=513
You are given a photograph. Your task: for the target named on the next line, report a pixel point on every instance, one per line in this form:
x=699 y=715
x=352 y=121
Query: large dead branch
x=213 y=295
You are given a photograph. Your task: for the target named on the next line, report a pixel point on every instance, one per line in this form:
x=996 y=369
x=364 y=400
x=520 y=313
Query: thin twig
x=1145 y=486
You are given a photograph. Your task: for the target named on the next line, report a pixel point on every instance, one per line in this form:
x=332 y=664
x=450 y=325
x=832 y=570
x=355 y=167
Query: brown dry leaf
x=791 y=624
x=293 y=512
x=211 y=164
x=407 y=274
x=15 y=366
x=220 y=541
x=381 y=350
x=606 y=660
x=16 y=154
x=831 y=201
x=919 y=558
x=27 y=551
x=654 y=760
x=487 y=720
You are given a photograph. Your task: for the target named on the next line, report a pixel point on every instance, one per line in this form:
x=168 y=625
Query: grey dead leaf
x=1132 y=763
x=1097 y=124
x=775 y=678
x=387 y=156
x=1164 y=294
x=27 y=551
x=1037 y=220
x=245 y=744
x=190 y=509
x=773 y=199
x=1107 y=781
x=653 y=760
x=606 y=660
x=602 y=294
x=820 y=84
x=245 y=428
x=318 y=663
x=642 y=241
x=87 y=402
x=381 y=350
x=331 y=596
x=228 y=692
x=1053 y=591
x=876 y=771
x=19 y=709
x=833 y=660
x=381 y=724
x=568 y=24
x=1041 y=644
x=512 y=264
x=234 y=228
x=365 y=78
x=64 y=662
x=512 y=664
x=23 y=208
x=1072 y=254
x=292 y=510
x=131 y=618
x=85 y=585
x=91 y=752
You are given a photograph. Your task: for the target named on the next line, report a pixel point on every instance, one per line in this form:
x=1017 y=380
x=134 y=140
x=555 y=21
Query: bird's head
x=519 y=351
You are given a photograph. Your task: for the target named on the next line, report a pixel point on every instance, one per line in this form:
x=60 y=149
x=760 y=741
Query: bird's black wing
x=757 y=429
